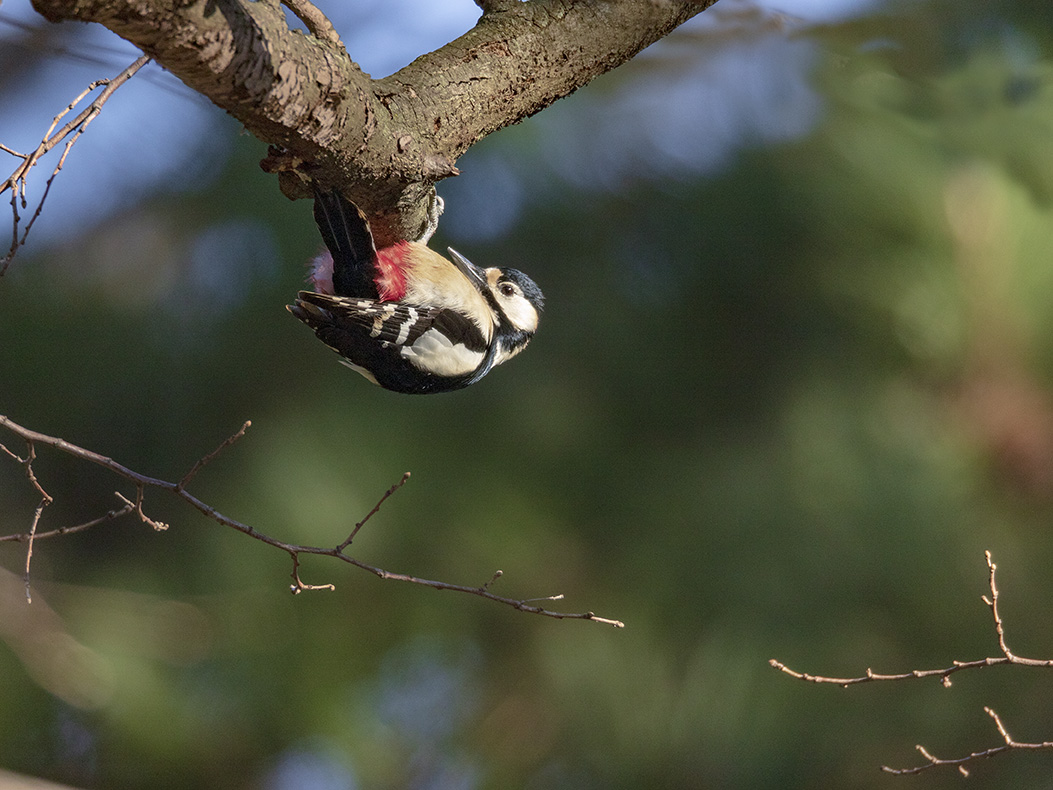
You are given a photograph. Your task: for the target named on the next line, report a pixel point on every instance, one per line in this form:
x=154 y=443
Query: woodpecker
x=405 y=317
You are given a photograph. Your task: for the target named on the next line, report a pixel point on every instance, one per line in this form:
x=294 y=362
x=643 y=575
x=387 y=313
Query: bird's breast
x=420 y=276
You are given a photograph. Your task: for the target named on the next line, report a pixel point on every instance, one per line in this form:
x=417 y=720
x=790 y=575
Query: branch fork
x=943 y=674
x=16 y=182
x=383 y=142
x=142 y=482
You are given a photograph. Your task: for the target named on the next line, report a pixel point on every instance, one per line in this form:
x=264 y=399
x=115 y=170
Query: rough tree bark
x=383 y=142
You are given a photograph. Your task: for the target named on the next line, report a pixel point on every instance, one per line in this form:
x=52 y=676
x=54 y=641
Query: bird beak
x=468 y=269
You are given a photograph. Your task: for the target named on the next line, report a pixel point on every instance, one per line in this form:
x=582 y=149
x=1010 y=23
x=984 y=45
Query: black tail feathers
x=346 y=233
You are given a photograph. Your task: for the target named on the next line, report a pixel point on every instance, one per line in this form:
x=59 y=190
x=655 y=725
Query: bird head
x=513 y=295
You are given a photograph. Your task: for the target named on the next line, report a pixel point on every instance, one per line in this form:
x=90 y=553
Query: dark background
x=793 y=378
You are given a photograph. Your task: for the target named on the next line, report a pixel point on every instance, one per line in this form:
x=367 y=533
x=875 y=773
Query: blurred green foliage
x=778 y=411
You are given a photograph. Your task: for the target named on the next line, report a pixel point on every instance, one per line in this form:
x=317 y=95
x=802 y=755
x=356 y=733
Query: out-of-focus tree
x=791 y=384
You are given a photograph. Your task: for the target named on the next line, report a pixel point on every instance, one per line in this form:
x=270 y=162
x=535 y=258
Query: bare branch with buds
x=295 y=551
x=16 y=183
x=943 y=674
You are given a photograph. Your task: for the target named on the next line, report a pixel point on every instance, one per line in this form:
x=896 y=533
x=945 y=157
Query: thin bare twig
x=29 y=544
x=137 y=508
x=143 y=482
x=45 y=500
x=872 y=676
x=373 y=512
x=16 y=182
x=961 y=762
x=208 y=458
x=24 y=537
x=1007 y=657
x=992 y=604
x=298 y=586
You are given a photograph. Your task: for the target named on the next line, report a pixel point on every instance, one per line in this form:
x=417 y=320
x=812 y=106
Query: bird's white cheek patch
x=436 y=353
x=521 y=314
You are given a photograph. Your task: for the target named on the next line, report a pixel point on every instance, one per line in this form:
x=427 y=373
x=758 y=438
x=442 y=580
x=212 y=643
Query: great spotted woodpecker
x=404 y=316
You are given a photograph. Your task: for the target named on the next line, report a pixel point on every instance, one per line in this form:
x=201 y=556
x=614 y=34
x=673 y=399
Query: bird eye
x=507 y=289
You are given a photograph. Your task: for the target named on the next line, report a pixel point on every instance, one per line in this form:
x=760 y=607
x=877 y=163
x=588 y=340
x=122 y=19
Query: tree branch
x=943 y=674
x=961 y=762
x=1007 y=657
x=142 y=482
x=16 y=182
x=317 y=23
x=383 y=142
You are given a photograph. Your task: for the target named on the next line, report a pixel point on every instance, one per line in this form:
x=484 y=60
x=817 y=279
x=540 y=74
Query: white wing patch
x=436 y=353
x=407 y=325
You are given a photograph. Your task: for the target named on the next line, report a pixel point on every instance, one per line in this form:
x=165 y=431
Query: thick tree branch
x=383 y=142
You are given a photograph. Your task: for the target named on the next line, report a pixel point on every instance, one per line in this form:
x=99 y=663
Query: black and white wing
x=401 y=347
